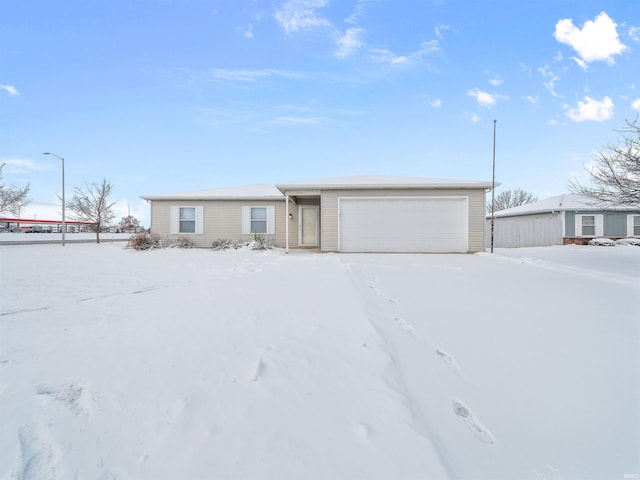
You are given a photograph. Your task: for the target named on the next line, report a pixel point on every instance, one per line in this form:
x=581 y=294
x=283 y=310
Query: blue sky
x=160 y=96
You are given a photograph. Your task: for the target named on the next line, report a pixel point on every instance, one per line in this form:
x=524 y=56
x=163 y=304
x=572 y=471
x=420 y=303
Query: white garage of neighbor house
x=346 y=214
x=561 y=220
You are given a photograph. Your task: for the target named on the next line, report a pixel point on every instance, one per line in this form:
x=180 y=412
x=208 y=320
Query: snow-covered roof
x=270 y=192
x=371 y=181
x=558 y=203
x=260 y=191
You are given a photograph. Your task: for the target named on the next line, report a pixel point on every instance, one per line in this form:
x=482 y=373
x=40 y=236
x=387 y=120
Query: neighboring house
x=347 y=214
x=561 y=220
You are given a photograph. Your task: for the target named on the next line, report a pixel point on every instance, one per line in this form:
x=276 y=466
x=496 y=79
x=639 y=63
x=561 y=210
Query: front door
x=308 y=226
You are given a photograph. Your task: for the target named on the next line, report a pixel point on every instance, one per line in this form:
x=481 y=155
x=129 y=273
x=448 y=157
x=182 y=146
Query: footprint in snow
x=406 y=326
x=392 y=301
x=467 y=417
x=362 y=431
x=146 y=290
x=449 y=360
x=256 y=370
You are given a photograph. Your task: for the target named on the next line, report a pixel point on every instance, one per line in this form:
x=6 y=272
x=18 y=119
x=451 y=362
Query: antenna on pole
x=493 y=184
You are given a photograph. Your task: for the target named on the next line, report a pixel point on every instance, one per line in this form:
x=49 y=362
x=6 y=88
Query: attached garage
x=404 y=224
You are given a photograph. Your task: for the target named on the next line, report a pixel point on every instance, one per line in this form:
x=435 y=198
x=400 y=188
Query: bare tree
x=129 y=224
x=615 y=177
x=511 y=198
x=92 y=205
x=13 y=198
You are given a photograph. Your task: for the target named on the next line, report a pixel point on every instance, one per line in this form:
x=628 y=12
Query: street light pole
x=64 y=225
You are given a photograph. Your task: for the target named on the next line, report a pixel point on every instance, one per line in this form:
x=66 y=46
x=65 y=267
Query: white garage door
x=403 y=224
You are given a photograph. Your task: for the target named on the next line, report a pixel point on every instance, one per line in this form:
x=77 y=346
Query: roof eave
x=382 y=186
x=210 y=198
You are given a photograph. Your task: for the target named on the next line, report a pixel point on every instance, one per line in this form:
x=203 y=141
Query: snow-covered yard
x=194 y=364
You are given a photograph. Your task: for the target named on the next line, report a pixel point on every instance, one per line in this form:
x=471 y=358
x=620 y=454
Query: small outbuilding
x=345 y=214
x=561 y=220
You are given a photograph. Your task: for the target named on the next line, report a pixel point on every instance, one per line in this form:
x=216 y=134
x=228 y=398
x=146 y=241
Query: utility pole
x=493 y=184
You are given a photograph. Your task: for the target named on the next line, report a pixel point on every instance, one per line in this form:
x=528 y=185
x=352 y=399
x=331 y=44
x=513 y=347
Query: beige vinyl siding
x=477 y=213
x=223 y=220
x=329 y=211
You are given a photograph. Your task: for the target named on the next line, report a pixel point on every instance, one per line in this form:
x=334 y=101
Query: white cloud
x=439 y=30
x=532 y=99
x=10 y=89
x=387 y=56
x=246 y=32
x=485 y=99
x=349 y=43
x=471 y=117
x=250 y=76
x=298 y=15
x=304 y=15
x=558 y=57
x=551 y=79
x=437 y=103
x=17 y=165
x=634 y=33
x=354 y=18
x=596 y=41
x=636 y=104
x=496 y=81
x=298 y=120
x=581 y=63
x=591 y=109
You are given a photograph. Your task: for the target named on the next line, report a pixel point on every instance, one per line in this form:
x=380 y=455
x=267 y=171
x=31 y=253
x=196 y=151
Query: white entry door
x=308 y=215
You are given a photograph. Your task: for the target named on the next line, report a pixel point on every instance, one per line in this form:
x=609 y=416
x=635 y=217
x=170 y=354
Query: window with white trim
x=187 y=219
x=260 y=219
x=589 y=225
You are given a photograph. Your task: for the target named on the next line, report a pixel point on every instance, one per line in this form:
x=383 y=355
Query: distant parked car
x=3 y=229
x=35 y=229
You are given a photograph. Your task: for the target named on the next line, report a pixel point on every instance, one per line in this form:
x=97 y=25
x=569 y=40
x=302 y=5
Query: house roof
x=248 y=192
x=369 y=181
x=275 y=192
x=558 y=203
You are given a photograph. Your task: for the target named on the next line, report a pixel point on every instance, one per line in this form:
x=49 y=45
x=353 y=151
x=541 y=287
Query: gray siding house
x=346 y=214
x=561 y=220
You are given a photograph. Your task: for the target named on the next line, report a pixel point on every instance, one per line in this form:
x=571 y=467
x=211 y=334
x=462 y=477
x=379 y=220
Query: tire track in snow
x=585 y=272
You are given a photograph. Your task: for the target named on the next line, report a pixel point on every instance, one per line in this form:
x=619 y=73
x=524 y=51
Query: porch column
x=286 y=219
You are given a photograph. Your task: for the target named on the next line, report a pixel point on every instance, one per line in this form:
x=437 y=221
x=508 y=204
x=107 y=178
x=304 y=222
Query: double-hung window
x=589 y=225
x=259 y=219
x=187 y=219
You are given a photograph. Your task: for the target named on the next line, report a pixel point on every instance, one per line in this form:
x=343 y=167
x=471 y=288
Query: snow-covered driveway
x=117 y=364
